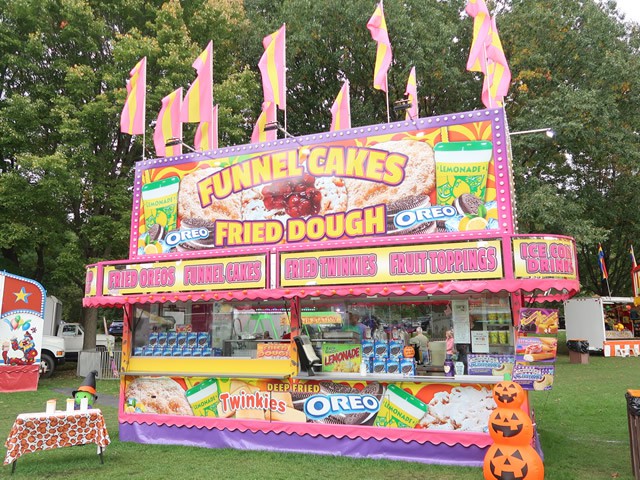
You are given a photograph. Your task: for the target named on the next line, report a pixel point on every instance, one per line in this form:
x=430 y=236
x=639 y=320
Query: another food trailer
x=272 y=289
x=21 y=320
x=611 y=325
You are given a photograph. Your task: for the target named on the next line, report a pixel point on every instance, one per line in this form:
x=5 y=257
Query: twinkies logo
x=413 y=217
x=318 y=407
x=176 y=237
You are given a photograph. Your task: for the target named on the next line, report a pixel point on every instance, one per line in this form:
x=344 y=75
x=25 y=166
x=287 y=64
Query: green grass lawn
x=582 y=424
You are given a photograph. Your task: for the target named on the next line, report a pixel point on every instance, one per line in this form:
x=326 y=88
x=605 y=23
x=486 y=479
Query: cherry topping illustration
x=298 y=197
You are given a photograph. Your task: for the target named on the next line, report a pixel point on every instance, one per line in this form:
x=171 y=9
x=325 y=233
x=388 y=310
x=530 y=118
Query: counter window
x=205 y=329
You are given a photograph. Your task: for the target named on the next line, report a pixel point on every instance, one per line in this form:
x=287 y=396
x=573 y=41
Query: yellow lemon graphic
x=461 y=188
x=493 y=213
x=462 y=226
x=477 y=223
x=152 y=248
x=161 y=218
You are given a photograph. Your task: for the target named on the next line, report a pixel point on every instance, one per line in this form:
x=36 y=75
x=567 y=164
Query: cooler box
x=438 y=351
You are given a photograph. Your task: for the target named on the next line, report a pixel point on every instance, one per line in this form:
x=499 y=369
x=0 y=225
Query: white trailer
x=585 y=320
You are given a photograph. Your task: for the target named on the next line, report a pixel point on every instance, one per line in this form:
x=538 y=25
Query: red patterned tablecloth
x=41 y=431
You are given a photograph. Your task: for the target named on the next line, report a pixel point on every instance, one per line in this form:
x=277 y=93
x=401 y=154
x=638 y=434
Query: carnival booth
x=21 y=321
x=272 y=291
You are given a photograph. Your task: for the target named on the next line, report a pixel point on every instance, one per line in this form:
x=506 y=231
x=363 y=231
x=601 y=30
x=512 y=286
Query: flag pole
x=144 y=143
x=387 y=96
x=608 y=287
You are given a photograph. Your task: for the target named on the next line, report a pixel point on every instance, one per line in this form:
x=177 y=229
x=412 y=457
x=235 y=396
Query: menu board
x=460 y=316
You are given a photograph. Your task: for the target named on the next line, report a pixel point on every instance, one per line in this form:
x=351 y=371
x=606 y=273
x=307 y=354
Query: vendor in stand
x=450 y=345
x=356 y=325
x=421 y=341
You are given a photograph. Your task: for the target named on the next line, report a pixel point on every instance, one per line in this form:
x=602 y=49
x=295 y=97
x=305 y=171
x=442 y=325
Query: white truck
x=51 y=355
x=72 y=334
x=585 y=319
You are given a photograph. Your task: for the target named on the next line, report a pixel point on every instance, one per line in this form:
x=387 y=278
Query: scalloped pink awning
x=534 y=289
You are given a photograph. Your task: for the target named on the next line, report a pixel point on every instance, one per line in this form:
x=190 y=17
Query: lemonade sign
x=461 y=167
x=160 y=203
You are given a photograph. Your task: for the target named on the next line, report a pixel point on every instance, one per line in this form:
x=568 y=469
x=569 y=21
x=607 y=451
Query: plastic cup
x=160 y=203
x=70 y=405
x=51 y=406
x=461 y=167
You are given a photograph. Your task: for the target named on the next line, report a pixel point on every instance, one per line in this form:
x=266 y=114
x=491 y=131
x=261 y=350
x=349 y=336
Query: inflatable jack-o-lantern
x=510 y=426
x=508 y=394
x=408 y=351
x=509 y=462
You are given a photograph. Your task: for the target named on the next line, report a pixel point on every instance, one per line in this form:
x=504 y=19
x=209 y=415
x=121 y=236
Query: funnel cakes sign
x=435 y=175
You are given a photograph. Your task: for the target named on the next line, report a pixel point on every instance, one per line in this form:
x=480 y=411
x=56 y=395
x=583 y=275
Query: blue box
x=172 y=339
x=181 y=339
x=203 y=339
x=395 y=349
x=367 y=348
x=408 y=367
x=138 y=351
x=162 y=339
x=393 y=366
x=381 y=349
x=158 y=351
x=192 y=339
x=379 y=366
x=153 y=339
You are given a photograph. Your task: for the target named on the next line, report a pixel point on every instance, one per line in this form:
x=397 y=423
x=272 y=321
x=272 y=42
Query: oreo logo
x=410 y=218
x=176 y=237
x=318 y=407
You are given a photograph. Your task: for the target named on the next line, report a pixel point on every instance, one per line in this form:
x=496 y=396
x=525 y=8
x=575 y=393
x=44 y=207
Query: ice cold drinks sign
x=544 y=258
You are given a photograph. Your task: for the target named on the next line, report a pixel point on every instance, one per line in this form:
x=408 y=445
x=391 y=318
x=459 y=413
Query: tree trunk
x=90 y=323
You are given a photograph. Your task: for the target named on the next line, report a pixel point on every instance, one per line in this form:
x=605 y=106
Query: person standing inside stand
x=451 y=347
x=422 y=342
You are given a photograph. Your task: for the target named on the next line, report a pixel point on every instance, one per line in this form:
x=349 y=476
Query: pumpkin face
x=508 y=394
x=508 y=426
x=505 y=462
x=408 y=352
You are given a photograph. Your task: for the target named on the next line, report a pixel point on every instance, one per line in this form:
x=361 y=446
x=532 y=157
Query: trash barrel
x=633 y=415
x=578 y=350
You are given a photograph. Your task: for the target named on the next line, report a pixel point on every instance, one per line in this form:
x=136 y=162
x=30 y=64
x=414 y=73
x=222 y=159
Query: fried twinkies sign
x=409 y=263
x=544 y=258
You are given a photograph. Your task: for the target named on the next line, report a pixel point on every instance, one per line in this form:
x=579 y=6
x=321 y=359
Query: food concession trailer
x=271 y=289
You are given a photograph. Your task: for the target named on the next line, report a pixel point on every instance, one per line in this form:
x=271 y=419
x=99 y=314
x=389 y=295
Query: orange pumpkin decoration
x=510 y=426
x=508 y=394
x=409 y=351
x=511 y=462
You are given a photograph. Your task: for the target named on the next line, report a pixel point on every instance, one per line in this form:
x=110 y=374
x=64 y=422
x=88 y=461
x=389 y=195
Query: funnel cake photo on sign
x=419 y=176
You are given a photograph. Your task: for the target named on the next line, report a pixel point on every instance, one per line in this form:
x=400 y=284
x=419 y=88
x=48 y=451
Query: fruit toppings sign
x=464 y=260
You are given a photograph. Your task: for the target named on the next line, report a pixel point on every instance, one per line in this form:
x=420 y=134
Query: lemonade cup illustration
x=160 y=203
x=461 y=167
x=400 y=409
